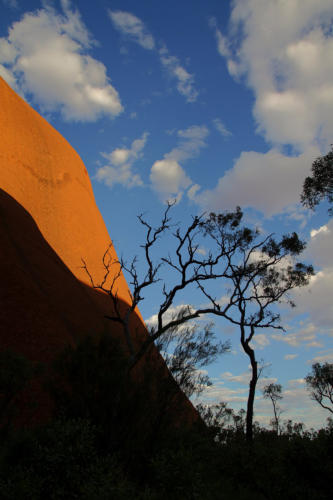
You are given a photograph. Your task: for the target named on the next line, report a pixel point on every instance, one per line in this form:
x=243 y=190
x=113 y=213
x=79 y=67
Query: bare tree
x=189 y=266
x=273 y=392
x=253 y=273
x=320 y=384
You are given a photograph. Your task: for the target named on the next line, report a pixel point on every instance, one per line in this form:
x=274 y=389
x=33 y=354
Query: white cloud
x=185 y=80
x=285 y=51
x=290 y=356
x=296 y=382
x=190 y=142
x=302 y=336
x=47 y=54
x=296 y=403
x=298 y=406
x=9 y=77
x=323 y=357
x=322 y=229
x=319 y=248
x=170 y=314
x=260 y=341
x=220 y=127
x=120 y=162
x=243 y=378
x=191 y=193
x=131 y=26
x=167 y=176
x=268 y=182
x=315 y=300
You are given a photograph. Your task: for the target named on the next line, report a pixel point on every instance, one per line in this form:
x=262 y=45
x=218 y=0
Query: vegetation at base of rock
x=65 y=459
x=98 y=447
x=15 y=372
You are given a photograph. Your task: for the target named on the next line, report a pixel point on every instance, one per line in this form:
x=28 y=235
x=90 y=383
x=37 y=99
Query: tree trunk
x=252 y=391
x=275 y=417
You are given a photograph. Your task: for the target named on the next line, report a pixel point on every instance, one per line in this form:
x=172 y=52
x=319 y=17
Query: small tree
x=223 y=421
x=320 y=185
x=320 y=384
x=188 y=349
x=273 y=392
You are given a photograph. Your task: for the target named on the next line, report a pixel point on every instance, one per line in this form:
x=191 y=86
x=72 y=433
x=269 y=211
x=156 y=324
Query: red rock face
x=49 y=221
x=44 y=174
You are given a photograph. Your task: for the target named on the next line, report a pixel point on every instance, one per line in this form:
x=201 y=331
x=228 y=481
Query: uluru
x=49 y=224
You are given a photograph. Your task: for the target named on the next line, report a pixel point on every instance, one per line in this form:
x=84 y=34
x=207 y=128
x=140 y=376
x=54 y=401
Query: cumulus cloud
x=119 y=167
x=46 y=54
x=185 y=80
x=269 y=182
x=285 y=52
x=167 y=176
x=132 y=27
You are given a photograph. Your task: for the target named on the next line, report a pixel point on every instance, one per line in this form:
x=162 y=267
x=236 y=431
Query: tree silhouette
x=320 y=185
x=273 y=392
x=253 y=273
x=258 y=274
x=320 y=384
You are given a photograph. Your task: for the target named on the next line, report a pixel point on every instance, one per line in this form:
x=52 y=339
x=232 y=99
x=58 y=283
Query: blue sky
x=214 y=103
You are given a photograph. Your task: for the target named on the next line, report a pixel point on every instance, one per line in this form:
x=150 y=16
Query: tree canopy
x=320 y=384
x=319 y=185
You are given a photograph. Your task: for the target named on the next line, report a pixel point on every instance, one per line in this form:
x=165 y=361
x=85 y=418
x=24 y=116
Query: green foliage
x=320 y=185
x=193 y=348
x=320 y=384
x=15 y=372
x=60 y=461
